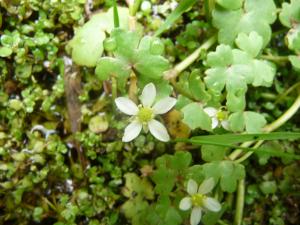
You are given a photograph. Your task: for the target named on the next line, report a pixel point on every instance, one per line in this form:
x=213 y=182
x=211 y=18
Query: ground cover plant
x=149 y=112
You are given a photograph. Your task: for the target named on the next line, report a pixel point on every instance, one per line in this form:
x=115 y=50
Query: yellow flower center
x=221 y=115
x=197 y=199
x=145 y=114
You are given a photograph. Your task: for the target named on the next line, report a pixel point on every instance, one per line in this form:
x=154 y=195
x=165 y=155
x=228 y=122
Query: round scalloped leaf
x=150 y=66
x=252 y=122
x=252 y=43
x=256 y=15
x=290 y=13
x=231 y=4
x=86 y=47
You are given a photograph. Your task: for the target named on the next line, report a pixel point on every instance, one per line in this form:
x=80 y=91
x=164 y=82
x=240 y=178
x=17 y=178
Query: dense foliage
x=233 y=68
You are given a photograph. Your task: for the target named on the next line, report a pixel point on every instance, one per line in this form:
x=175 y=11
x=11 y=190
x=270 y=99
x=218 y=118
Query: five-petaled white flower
x=198 y=201
x=143 y=115
x=218 y=117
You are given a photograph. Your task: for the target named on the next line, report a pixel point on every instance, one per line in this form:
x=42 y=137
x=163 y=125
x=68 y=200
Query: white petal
x=214 y=122
x=126 y=106
x=195 y=216
x=211 y=111
x=206 y=186
x=185 y=203
x=211 y=204
x=158 y=130
x=148 y=95
x=225 y=124
x=192 y=187
x=164 y=105
x=132 y=131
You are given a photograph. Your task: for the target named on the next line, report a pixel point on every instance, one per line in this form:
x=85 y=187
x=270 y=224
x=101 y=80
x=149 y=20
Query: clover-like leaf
x=252 y=122
x=252 y=43
x=202 y=120
x=227 y=172
x=233 y=69
x=133 y=54
x=256 y=15
x=230 y=4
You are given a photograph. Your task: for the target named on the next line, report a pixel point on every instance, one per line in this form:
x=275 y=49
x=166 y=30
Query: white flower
x=218 y=117
x=143 y=115
x=198 y=201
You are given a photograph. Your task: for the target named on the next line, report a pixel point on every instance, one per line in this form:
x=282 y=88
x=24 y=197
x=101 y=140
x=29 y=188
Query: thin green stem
x=275 y=58
x=287 y=92
x=133 y=8
x=238 y=217
x=116 y=15
x=113 y=88
x=173 y=73
x=269 y=128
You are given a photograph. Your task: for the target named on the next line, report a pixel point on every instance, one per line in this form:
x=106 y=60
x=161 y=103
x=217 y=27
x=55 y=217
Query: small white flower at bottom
x=198 y=201
x=218 y=117
x=143 y=115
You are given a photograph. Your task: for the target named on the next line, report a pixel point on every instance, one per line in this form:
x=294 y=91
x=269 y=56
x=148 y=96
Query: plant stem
x=269 y=128
x=113 y=88
x=173 y=73
x=239 y=203
x=275 y=58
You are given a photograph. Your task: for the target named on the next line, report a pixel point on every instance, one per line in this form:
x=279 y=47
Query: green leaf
x=268 y=187
x=134 y=210
x=202 y=120
x=197 y=87
x=293 y=38
x=263 y=72
x=181 y=160
x=252 y=122
x=127 y=43
x=252 y=43
x=135 y=185
x=295 y=61
x=150 y=66
x=230 y=4
x=290 y=13
x=5 y=51
x=227 y=172
x=212 y=153
x=256 y=15
x=133 y=54
x=87 y=44
x=183 y=6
